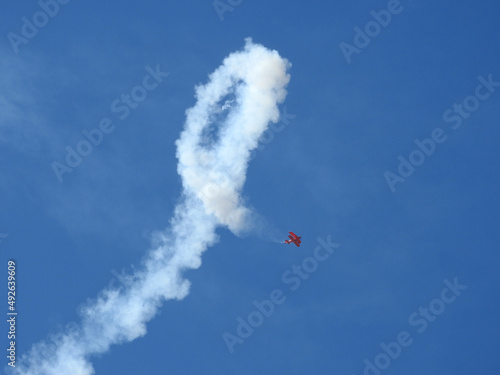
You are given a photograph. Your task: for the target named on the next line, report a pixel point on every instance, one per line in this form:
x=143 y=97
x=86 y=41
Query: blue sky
x=323 y=173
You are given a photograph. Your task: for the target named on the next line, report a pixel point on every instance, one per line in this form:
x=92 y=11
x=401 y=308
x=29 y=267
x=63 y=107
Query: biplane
x=293 y=238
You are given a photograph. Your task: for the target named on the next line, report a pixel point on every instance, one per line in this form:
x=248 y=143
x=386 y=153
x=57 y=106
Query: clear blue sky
x=430 y=72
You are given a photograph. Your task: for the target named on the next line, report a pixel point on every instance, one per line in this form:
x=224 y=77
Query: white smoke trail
x=213 y=157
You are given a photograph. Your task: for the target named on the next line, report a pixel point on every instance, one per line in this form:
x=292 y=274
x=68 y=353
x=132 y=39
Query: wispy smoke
x=232 y=111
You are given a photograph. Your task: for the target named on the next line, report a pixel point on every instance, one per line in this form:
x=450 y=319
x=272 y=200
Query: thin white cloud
x=213 y=157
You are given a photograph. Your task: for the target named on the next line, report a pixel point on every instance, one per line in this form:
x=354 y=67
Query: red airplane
x=293 y=238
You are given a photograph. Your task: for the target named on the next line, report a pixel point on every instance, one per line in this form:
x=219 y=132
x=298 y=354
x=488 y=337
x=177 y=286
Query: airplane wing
x=294 y=238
